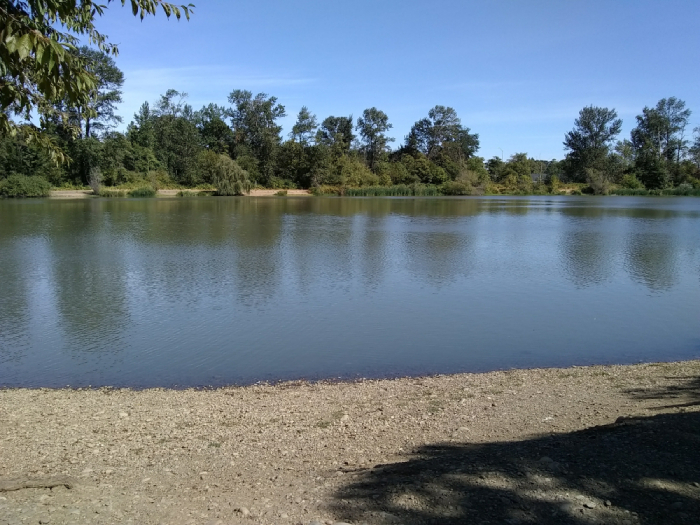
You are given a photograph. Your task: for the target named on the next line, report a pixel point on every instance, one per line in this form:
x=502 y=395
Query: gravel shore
x=602 y=444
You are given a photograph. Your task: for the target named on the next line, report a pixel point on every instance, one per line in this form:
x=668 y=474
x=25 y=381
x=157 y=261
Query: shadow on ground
x=635 y=471
x=686 y=394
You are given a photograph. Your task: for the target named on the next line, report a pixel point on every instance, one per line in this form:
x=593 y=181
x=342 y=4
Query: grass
x=680 y=192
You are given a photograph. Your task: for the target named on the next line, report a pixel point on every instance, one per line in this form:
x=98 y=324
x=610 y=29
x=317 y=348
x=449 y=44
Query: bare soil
x=602 y=444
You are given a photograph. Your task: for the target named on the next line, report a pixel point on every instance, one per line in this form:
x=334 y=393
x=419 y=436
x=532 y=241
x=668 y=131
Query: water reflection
x=589 y=257
x=244 y=287
x=651 y=259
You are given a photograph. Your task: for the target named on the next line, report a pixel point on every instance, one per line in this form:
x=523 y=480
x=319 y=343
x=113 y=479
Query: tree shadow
x=687 y=393
x=635 y=471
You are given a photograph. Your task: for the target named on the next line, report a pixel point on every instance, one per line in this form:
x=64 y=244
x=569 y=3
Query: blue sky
x=517 y=72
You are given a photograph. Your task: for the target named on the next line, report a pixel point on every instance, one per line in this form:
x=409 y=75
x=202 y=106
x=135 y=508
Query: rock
x=316 y=522
x=244 y=511
x=567 y=507
x=546 y=459
x=677 y=505
x=345 y=418
x=589 y=504
x=123 y=415
x=696 y=484
x=608 y=503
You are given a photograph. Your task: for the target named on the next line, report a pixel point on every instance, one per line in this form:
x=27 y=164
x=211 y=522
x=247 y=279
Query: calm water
x=212 y=291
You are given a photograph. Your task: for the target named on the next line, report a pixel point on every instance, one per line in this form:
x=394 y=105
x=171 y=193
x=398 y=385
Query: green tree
x=442 y=132
x=305 y=127
x=176 y=141
x=336 y=133
x=39 y=64
x=99 y=113
x=589 y=143
x=659 y=141
x=255 y=128
x=694 y=149
x=215 y=134
x=372 y=126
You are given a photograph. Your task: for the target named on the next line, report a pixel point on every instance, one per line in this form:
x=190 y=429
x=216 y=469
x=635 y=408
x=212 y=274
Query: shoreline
x=84 y=194
x=557 y=445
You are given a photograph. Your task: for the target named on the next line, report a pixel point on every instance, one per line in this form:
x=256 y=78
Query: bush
x=144 y=191
x=229 y=178
x=22 y=186
x=281 y=193
x=456 y=187
x=553 y=183
x=598 y=181
x=112 y=192
x=631 y=182
x=95 y=180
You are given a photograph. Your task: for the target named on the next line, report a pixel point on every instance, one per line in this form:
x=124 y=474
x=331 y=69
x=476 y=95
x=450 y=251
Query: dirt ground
x=603 y=444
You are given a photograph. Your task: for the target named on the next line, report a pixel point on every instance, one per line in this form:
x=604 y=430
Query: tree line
x=236 y=146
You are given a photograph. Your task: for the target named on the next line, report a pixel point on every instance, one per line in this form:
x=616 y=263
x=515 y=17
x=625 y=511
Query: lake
x=216 y=291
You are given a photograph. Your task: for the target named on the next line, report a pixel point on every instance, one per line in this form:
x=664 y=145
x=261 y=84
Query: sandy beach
x=602 y=444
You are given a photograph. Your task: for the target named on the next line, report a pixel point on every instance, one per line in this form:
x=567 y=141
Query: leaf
x=24 y=46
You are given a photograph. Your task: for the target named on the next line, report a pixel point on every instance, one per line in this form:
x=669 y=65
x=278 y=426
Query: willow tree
x=39 y=62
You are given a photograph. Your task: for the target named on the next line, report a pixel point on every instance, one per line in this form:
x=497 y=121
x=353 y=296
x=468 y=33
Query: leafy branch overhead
x=39 y=62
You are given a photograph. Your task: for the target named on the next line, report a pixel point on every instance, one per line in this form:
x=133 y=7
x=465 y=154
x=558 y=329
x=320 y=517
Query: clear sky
x=517 y=72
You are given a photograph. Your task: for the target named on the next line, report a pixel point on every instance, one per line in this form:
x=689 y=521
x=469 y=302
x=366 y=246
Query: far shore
x=598 y=444
x=82 y=194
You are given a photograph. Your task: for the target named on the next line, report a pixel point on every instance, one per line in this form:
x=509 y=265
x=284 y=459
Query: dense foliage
x=232 y=148
x=41 y=68
x=23 y=186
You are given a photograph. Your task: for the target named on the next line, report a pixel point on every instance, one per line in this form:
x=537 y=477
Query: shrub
x=95 y=180
x=456 y=187
x=144 y=191
x=229 y=178
x=553 y=183
x=631 y=182
x=22 y=186
x=598 y=181
x=281 y=193
x=112 y=192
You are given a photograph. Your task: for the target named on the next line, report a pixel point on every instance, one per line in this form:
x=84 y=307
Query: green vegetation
x=230 y=149
x=144 y=191
x=42 y=69
x=23 y=186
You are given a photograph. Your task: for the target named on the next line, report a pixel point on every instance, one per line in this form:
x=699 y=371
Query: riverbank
x=83 y=194
x=602 y=444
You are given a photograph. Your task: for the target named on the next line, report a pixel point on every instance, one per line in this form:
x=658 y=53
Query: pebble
x=123 y=415
x=589 y=504
x=608 y=503
x=696 y=484
x=244 y=511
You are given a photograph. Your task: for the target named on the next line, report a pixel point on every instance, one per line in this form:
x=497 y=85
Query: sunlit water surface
x=213 y=291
